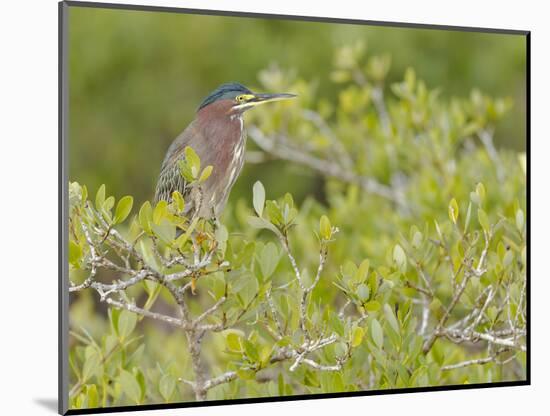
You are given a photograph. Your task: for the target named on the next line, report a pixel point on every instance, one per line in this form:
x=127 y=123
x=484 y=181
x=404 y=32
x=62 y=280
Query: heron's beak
x=265 y=98
x=257 y=99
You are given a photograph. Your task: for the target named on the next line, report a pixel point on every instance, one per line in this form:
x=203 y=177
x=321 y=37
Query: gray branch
x=468 y=363
x=471 y=272
x=101 y=238
x=325 y=167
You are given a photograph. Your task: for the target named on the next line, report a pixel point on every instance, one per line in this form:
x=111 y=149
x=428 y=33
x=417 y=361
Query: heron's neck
x=237 y=118
x=220 y=127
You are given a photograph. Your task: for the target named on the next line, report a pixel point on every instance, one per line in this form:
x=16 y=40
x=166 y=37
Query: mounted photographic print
x=266 y=208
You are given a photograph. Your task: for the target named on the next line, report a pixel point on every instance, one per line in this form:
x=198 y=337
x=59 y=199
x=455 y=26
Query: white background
x=28 y=205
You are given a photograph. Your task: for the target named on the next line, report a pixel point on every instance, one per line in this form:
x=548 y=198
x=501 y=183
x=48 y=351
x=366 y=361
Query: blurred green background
x=136 y=79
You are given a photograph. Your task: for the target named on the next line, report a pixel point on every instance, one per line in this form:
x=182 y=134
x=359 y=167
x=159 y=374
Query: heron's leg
x=214 y=221
x=217 y=223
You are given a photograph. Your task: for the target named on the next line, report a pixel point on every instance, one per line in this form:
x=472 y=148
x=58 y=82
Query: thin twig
x=468 y=363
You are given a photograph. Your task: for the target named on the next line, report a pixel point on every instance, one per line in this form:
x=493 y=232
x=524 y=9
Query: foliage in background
x=411 y=271
x=137 y=78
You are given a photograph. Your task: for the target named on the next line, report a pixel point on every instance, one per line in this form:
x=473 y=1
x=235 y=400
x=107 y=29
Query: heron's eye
x=240 y=98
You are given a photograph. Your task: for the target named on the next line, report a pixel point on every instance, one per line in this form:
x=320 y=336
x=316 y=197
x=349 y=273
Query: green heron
x=218 y=137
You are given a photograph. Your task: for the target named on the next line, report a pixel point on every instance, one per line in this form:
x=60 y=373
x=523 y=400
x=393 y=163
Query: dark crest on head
x=226 y=91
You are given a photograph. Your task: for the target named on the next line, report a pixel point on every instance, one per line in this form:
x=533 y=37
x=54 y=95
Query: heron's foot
x=214 y=222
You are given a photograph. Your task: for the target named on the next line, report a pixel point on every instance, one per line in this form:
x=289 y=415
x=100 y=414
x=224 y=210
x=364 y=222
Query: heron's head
x=240 y=98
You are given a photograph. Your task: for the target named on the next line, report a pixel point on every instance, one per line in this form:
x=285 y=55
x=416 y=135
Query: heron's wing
x=170 y=179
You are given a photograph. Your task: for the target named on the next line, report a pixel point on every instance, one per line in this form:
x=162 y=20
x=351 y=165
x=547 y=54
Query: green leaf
x=372 y=306
x=130 y=386
x=207 y=171
x=325 y=229
x=480 y=191
x=508 y=258
x=438 y=229
x=340 y=76
x=474 y=197
x=251 y=351
x=362 y=271
x=281 y=384
x=399 y=257
x=269 y=258
x=258 y=198
x=178 y=201
x=336 y=323
x=257 y=222
x=75 y=253
x=265 y=355
x=114 y=314
x=75 y=195
x=288 y=200
x=378 y=67
x=373 y=283
x=483 y=219
x=274 y=213
x=91 y=364
x=167 y=386
x=123 y=209
x=453 y=210
x=140 y=378
x=185 y=170
x=221 y=234
x=92 y=395
x=193 y=161
x=166 y=231
x=492 y=313
x=520 y=220
x=390 y=318
x=288 y=213
x=182 y=239
x=363 y=292
x=417 y=239
x=357 y=336
x=376 y=333
x=233 y=342
x=160 y=211
x=145 y=217
x=109 y=203
x=468 y=215
x=311 y=379
x=522 y=158
x=501 y=250
x=126 y=323
x=84 y=193
x=246 y=374
x=100 y=197
x=410 y=78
